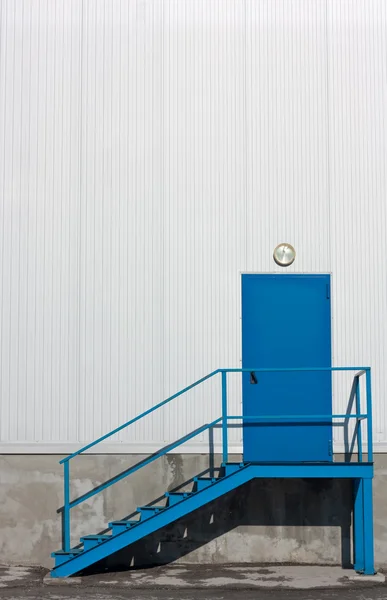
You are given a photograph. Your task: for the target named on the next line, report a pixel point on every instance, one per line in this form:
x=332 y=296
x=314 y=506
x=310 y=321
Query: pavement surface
x=223 y=577
x=194 y=583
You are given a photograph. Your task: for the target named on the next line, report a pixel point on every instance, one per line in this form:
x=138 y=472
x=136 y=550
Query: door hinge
x=328 y=289
x=330 y=448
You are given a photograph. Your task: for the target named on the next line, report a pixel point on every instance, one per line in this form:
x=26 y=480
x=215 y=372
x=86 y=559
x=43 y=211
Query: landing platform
x=335 y=470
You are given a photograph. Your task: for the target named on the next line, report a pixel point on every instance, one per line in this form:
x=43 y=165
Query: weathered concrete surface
x=11 y=577
x=375 y=593
x=273 y=521
x=194 y=583
x=61 y=593
x=225 y=576
x=186 y=577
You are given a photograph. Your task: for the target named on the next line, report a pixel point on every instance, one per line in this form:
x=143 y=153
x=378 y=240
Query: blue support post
x=369 y=415
x=66 y=507
x=358 y=525
x=369 y=568
x=224 y=417
x=358 y=423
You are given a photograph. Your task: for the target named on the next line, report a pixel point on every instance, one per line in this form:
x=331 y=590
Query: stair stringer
x=171 y=514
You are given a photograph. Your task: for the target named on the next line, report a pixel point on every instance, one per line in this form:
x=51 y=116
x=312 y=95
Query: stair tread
x=124 y=522
x=96 y=537
x=174 y=498
x=67 y=552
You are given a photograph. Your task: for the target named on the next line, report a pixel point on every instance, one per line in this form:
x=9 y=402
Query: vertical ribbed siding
x=357 y=42
x=150 y=152
x=39 y=182
x=286 y=125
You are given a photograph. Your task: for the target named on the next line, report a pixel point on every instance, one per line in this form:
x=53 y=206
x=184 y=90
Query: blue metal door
x=286 y=323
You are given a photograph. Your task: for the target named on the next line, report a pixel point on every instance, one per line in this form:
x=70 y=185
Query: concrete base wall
x=296 y=521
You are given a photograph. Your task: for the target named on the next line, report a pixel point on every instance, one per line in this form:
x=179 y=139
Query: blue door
x=286 y=323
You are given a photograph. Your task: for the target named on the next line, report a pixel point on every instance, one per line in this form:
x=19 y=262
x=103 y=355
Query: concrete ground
x=96 y=594
x=222 y=577
x=195 y=583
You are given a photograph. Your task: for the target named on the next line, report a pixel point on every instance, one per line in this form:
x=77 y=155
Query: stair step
x=120 y=526
x=61 y=556
x=149 y=511
x=201 y=483
x=230 y=468
x=175 y=497
x=90 y=541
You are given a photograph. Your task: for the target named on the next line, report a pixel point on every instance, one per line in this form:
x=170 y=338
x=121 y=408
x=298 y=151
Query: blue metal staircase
x=150 y=519
x=176 y=505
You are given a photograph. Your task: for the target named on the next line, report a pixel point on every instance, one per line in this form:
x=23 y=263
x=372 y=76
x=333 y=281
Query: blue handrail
x=224 y=419
x=144 y=463
x=144 y=414
x=361 y=370
x=308 y=418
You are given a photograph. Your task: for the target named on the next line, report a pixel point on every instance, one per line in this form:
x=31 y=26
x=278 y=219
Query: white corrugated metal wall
x=151 y=151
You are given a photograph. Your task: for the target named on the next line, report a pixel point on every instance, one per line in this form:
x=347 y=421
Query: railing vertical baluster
x=66 y=507
x=224 y=417
x=369 y=415
x=359 y=422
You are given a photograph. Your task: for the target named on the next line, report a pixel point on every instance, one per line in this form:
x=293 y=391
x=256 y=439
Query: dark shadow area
x=350 y=445
x=266 y=503
x=211 y=451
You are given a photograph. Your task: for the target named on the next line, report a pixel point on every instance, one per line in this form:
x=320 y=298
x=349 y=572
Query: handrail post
x=224 y=417
x=66 y=507
x=358 y=422
x=369 y=415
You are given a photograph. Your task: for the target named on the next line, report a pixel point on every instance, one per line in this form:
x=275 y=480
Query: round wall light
x=284 y=255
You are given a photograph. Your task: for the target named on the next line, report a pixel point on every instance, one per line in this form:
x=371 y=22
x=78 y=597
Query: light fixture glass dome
x=284 y=254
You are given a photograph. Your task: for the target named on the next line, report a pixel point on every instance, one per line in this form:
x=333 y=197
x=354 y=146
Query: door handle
x=253 y=378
